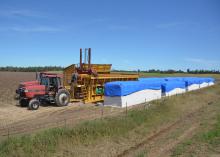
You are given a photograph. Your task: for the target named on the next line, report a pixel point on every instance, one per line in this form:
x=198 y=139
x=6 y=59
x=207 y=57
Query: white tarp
x=175 y=92
x=193 y=87
x=204 y=84
x=211 y=83
x=132 y=99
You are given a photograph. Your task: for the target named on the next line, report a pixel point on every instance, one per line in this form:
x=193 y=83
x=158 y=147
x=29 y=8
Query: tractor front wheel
x=34 y=104
x=62 y=97
x=23 y=102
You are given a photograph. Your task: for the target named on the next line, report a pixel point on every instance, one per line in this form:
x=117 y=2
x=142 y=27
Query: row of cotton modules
x=129 y=93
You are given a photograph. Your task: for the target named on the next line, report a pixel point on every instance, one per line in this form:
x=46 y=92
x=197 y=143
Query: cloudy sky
x=130 y=34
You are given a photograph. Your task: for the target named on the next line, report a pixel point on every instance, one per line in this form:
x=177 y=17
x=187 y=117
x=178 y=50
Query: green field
x=178 y=74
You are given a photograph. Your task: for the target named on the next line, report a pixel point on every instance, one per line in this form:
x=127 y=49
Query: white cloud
x=199 y=60
x=37 y=29
x=25 y=13
x=31 y=29
x=170 y=25
x=119 y=27
x=178 y=24
x=203 y=62
x=21 y=13
x=99 y=20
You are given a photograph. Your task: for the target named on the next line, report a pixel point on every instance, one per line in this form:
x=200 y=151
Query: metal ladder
x=84 y=93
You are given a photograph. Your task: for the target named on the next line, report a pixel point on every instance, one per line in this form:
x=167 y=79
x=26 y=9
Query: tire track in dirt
x=189 y=127
x=166 y=147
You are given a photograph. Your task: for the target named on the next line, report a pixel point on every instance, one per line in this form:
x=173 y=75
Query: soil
x=18 y=120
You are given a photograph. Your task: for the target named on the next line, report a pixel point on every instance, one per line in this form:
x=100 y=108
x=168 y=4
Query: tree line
x=59 y=68
x=31 y=69
x=172 y=71
x=203 y=71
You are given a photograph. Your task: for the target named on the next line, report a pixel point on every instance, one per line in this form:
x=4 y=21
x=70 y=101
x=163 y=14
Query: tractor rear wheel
x=34 y=104
x=62 y=97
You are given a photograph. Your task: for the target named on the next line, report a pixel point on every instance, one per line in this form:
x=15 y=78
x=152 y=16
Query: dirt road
x=19 y=120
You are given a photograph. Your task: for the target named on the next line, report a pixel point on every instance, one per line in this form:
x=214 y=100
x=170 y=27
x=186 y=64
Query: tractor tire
x=23 y=102
x=34 y=104
x=62 y=97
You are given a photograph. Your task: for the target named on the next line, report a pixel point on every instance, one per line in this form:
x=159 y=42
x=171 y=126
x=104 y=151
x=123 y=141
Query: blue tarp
x=170 y=85
x=210 y=79
x=192 y=80
x=153 y=79
x=161 y=79
x=188 y=80
x=122 y=88
x=206 y=79
x=174 y=78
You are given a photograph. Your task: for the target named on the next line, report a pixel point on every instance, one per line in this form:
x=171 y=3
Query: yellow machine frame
x=87 y=84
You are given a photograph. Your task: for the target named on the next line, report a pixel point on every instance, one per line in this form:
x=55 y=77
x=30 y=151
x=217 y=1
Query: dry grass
x=206 y=141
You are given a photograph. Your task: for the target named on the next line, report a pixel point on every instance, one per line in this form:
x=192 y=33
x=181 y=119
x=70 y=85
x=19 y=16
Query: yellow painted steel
x=99 y=68
x=87 y=85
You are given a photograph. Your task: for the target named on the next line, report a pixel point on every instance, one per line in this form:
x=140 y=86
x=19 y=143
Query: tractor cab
x=47 y=88
x=52 y=82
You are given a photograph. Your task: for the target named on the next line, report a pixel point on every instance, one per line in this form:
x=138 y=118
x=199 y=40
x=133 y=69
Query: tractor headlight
x=25 y=90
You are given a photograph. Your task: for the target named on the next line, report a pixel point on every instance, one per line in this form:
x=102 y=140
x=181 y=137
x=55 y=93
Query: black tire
x=23 y=102
x=34 y=104
x=62 y=97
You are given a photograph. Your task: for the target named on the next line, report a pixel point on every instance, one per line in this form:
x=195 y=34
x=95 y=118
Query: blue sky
x=130 y=34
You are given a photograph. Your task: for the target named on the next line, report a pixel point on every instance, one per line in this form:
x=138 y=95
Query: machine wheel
x=62 y=97
x=34 y=104
x=23 y=102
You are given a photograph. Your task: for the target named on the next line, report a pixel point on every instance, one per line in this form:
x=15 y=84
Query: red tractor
x=46 y=89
